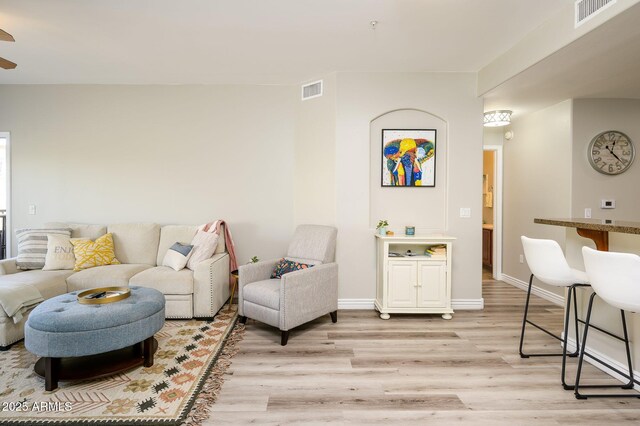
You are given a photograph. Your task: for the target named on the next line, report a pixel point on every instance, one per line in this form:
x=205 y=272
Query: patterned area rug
x=178 y=389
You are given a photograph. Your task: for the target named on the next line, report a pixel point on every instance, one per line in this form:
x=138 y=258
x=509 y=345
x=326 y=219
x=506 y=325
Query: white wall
x=537 y=182
x=315 y=157
x=408 y=206
x=167 y=154
x=361 y=98
x=591 y=117
x=256 y=156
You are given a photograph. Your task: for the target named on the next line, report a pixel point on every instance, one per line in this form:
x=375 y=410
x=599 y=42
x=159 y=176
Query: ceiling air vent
x=312 y=90
x=587 y=9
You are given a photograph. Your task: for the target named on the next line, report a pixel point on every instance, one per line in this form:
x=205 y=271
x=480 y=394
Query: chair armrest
x=210 y=285
x=307 y=294
x=258 y=271
x=251 y=273
x=8 y=266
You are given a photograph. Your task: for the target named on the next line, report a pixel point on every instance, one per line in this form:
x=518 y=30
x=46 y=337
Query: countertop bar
x=594 y=224
x=595 y=229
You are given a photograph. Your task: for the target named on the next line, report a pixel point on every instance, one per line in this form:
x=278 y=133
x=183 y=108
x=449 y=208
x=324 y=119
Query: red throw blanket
x=215 y=227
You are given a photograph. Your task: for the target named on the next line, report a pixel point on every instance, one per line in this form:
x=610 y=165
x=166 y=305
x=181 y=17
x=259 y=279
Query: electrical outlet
x=607 y=204
x=587 y=213
x=522 y=258
x=465 y=212
x=32 y=209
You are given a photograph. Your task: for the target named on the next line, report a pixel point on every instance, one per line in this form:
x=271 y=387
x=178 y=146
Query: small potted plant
x=254 y=259
x=382 y=227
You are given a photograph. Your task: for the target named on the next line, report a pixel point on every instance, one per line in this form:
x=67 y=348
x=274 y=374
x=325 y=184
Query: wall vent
x=587 y=9
x=312 y=90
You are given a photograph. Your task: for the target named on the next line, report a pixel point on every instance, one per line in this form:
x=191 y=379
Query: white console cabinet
x=409 y=280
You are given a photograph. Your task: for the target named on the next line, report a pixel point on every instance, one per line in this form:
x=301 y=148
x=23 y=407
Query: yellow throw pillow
x=94 y=253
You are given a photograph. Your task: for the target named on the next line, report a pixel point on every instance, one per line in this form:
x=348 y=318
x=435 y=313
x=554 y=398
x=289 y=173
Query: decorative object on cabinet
x=611 y=152
x=413 y=275
x=409 y=158
x=410 y=230
x=382 y=226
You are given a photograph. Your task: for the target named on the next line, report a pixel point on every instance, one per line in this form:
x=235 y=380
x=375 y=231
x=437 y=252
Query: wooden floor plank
x=412 y=370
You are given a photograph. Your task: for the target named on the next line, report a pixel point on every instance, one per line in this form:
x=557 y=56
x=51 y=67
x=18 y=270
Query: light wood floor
x=411 y=370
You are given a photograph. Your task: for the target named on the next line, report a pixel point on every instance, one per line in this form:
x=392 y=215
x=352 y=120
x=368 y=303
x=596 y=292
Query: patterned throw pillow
x=32 y=246
x=285 y=266
x=177 y=256
x=94 y=253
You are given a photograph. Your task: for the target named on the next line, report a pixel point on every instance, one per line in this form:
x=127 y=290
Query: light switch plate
x=32 y=209
x=465 y=212
x=587 y=213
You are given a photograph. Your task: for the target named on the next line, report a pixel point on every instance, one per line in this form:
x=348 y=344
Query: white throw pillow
x=177 y=256
x=204 y=245
x=59 y=253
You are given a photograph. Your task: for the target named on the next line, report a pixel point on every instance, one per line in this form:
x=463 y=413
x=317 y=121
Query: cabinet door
x=402 y=285
x=432 y=284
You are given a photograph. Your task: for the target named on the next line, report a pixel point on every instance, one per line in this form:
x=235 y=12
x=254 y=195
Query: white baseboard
x=571 y=346
x=356 y=304
x=467 y=304
x=540 y=292
x=459 y=304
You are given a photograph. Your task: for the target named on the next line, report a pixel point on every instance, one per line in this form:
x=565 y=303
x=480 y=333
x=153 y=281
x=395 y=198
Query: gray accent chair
x=298 y=297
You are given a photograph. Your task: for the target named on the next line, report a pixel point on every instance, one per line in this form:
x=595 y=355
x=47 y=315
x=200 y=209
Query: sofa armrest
x=307 y=294
x=251 y=273
x=8 y=266
x=210 y=285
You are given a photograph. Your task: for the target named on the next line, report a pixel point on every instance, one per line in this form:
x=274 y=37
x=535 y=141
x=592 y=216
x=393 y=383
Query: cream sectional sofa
x=140 y=248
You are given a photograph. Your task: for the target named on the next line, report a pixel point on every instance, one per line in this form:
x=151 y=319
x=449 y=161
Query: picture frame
x=408 y=158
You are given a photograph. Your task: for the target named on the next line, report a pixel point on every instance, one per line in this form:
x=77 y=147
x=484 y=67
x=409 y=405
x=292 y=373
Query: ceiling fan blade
x=5 y=36
x=7 y=65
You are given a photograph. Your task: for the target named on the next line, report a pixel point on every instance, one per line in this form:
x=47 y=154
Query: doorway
x=492 y=212
x=5 y=237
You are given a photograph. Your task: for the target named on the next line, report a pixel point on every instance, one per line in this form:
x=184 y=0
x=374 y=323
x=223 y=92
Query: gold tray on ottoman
x=102 y=295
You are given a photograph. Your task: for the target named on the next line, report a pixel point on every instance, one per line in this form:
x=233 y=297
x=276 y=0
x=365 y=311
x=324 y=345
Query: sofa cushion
x=177 y=256
x=79 y=230
x=59 y=253
x=204 y=246
x=104 y=276
x=89 y=254
x=264 y=293
x=32 y=246
x=165 y=280
x=49 y=283
x=136 y=242
x=170 y=234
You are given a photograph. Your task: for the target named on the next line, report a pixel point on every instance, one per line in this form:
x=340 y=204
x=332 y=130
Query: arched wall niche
x=422 y=207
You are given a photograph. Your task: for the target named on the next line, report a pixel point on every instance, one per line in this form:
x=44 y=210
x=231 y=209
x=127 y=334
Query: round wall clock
x=611 y=152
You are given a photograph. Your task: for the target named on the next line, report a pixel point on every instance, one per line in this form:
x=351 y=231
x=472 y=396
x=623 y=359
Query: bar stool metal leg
x=526 y=321
x=629 y=375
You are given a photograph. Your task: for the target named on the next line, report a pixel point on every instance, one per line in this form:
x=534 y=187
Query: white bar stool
x=614 y=278
x=548 y=264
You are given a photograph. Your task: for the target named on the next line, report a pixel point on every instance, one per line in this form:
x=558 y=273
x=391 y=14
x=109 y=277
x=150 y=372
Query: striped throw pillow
x=32 y=246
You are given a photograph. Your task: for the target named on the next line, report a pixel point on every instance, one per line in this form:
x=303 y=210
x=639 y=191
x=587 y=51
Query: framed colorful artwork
x=409 y=157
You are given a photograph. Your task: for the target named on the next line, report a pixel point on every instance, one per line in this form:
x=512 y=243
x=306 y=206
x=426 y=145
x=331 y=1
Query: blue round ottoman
x=61 y=327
